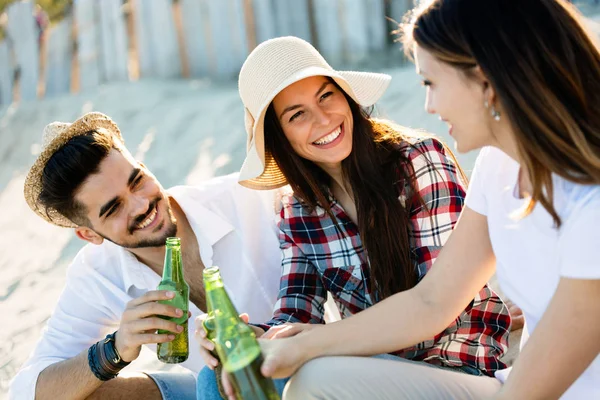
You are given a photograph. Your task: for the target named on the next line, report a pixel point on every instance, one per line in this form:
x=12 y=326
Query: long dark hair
x=545 y=68
x=373 y=173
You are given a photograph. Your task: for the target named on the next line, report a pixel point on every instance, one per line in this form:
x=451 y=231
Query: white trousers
x=347 y=378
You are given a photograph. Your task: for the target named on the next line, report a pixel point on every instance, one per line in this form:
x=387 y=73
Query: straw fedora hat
x=271 y=67
x=55 y=136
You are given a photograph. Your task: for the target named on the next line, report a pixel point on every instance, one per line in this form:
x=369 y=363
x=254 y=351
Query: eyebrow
x=290 y=108
x=109 y=204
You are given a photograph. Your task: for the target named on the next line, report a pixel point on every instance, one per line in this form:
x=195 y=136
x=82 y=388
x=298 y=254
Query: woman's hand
x=283 y=357
x=287 y=330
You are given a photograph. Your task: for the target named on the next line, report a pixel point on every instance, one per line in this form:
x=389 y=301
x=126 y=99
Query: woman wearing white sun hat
x=360 y=185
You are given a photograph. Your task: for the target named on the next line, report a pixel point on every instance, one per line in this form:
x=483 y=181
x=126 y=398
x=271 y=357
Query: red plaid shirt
x=318 y=259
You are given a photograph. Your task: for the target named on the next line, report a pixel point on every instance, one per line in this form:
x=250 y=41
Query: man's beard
x=155 y=241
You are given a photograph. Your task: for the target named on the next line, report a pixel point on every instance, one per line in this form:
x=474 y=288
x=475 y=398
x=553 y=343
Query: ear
x=489 y=93
x=85 y=233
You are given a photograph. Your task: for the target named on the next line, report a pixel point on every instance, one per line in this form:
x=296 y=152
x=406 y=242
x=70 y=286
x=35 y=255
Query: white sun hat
x=271 y=67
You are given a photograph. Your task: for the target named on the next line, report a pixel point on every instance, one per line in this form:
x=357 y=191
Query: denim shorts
x=175 y=385
x=208 y=390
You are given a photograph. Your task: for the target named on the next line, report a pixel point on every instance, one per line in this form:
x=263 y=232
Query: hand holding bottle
x=141 y=320
x=207 y=347
x=235 y=342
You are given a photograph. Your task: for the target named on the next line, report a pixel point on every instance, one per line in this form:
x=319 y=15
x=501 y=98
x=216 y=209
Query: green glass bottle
x=209 y=327
x=177 y=350
x=235 y=342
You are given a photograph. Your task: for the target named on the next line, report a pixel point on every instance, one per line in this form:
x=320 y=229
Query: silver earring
x=495 y=114
x=486 y=104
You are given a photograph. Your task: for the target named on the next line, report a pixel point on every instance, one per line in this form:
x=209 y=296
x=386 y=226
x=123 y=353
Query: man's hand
x=141 y=320
x=207 y=346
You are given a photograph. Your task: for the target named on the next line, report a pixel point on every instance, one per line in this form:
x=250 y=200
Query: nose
x=139 y=205
x=322 y=117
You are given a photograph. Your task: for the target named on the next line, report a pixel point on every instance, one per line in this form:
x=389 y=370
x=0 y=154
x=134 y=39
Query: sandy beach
x=185 y=131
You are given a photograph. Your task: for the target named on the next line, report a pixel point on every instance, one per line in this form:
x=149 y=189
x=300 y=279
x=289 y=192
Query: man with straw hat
x=87 y=180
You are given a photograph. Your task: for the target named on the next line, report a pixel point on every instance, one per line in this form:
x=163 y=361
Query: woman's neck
x=335 y=172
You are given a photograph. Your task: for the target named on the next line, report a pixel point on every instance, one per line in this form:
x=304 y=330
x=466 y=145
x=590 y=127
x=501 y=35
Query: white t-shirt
x=531 y=254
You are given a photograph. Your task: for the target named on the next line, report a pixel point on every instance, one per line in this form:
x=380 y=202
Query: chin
x=463 y=148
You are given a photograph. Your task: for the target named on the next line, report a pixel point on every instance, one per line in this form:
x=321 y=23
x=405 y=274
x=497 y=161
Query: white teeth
x=148 y=220
x=329 y=138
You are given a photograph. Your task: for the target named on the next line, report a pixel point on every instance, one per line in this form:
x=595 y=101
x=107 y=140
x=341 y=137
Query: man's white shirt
x=236 y=230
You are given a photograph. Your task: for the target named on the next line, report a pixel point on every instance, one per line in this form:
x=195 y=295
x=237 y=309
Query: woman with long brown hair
x=520 y=79
x=371 y=205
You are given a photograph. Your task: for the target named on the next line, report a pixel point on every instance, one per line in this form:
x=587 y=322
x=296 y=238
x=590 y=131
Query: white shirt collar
x=208 y=226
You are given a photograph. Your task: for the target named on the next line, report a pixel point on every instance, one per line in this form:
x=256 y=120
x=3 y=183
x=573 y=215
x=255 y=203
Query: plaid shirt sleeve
x=443 y=195
x=302 y=294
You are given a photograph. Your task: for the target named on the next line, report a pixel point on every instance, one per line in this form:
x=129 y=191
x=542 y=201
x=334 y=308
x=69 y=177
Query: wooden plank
x=239 y=31
x=114 y=41
x=143 y=38
x=328 y=29
x=377 y=25
x=23 y=32
x=228 y=36
x=292 y=18
x=157 y=39
x=264 y=20
x=6 y=74
x=58 y=61
x=196 y=30
x=356 y=37
x=88 y=49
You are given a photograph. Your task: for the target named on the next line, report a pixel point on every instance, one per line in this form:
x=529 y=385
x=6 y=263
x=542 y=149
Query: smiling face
x=316 y=119
x=125 y=203
x=458 y=99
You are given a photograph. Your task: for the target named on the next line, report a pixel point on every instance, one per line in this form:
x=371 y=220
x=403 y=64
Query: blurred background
x=166 y=72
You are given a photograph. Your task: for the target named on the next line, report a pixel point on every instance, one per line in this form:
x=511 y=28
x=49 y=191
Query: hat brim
x=33 y=183
x=260 y=171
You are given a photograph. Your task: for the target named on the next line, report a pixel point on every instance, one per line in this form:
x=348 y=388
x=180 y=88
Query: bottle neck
x=173 y=268
x=218 y=302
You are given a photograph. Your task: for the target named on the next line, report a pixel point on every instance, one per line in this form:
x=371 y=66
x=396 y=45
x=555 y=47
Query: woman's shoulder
x=413 y=143
x=429 y=146
x=290 y=206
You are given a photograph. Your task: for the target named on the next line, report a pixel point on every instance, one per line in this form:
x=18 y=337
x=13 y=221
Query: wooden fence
x=104 y=41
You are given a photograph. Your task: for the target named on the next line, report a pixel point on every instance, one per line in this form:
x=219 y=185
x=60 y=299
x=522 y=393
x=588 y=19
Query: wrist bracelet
x=106 y=365
x=104 y=359
x=95 y=365
x=112 y=354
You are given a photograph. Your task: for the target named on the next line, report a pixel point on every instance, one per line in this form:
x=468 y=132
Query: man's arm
x=75 y=324
x=68 y=379
x=75 y=370
x=73 y=378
